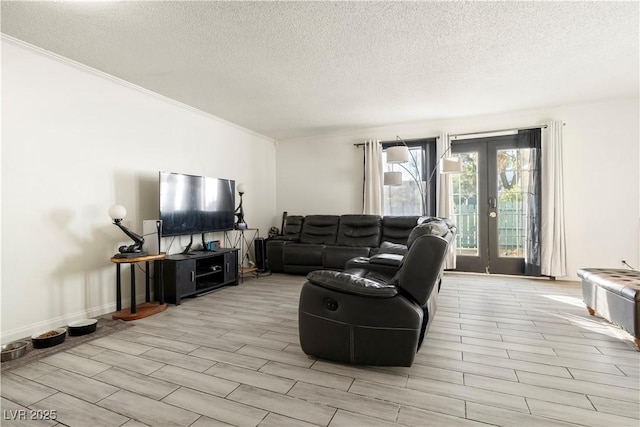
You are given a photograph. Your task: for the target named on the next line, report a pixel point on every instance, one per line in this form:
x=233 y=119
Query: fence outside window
x=511 y=233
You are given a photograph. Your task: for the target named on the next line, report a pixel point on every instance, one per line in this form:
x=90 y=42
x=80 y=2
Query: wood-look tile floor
x=502 y=351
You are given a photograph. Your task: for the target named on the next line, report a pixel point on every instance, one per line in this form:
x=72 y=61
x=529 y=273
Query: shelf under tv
x=198 y=273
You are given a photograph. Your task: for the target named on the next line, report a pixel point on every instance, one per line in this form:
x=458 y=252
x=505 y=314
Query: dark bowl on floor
x=13 y=350
x=48 y=338
x=82 y=327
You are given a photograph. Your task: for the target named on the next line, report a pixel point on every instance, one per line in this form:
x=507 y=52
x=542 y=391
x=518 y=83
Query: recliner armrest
x=393 y=260
x=352 y=284
x=392 y=248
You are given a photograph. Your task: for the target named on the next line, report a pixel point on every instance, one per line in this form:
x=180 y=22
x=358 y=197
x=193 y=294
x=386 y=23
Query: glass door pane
x=513 y=200
x=512 y=177
x=465 y=205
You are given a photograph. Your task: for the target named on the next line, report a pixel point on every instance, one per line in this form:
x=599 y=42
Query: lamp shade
x=398 y=154
x=241 y=188
x=117 y=212
x=393 y=178
x=450 y=165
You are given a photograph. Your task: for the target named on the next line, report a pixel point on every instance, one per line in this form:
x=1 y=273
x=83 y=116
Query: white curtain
x=444 y=196
x=372 y=178
x=553 y=244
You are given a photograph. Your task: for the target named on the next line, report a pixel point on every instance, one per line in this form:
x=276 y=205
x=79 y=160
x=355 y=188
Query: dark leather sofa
x=328 y=241
x=362 y=316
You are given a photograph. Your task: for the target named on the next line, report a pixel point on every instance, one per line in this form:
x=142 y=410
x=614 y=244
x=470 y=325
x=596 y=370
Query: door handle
x=193 y=276
x=493 y=204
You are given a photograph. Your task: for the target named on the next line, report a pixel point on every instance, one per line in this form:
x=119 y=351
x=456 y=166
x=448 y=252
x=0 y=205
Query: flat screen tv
x=192 y=204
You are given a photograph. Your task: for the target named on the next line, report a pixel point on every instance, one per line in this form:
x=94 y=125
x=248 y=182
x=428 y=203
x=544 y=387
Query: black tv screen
x=192 y=204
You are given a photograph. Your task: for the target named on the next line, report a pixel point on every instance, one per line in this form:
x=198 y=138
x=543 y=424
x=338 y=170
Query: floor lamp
x=400 y=154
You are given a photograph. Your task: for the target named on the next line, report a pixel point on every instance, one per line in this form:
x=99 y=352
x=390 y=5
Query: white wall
x=602 y=184
x=74 y=142
x=320 y=176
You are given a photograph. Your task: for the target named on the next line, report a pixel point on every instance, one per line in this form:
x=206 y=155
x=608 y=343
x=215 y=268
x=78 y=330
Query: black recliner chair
x=365 y=317
x=388 y=257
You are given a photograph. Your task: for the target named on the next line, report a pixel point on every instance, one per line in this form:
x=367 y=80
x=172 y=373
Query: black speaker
x=260 y=244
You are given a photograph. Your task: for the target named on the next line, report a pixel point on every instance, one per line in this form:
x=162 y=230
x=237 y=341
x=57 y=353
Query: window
x=412 y=197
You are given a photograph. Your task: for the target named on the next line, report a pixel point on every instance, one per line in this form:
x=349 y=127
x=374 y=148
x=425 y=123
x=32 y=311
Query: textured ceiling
x=289 y=69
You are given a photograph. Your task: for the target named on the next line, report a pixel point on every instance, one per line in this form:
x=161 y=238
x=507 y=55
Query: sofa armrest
x=393 y=260
x=285 y=238
x=392 y=248
x=352 y=284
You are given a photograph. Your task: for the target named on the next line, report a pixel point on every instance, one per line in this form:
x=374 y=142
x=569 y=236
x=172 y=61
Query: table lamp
x=239 y=212
x=117 y=213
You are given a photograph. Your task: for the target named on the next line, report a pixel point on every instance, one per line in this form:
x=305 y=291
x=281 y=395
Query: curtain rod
x=360 y=144
x=499 y=130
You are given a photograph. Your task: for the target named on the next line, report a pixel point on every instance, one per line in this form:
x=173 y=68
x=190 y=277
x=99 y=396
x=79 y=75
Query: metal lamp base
x=130 y=254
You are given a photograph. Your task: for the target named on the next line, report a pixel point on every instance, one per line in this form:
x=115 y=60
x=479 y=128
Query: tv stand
x=200 y=272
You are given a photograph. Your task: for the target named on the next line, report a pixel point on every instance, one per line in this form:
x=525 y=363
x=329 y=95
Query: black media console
x=198 y=272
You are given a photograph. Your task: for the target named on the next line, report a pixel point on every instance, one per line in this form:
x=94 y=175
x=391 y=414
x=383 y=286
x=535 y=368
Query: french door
x=497 y=204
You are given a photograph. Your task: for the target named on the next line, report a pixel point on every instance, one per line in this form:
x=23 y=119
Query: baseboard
x=63 y=321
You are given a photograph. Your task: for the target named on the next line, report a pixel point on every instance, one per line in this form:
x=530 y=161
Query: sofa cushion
x=302 y=254
x=435 y=227
x=292 y=227
x=320 y=229
x=396 y=229
x=359 y=230
x=448 y=223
